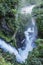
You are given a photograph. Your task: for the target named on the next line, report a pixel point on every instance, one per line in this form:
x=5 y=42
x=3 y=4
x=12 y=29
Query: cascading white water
x=30 y=34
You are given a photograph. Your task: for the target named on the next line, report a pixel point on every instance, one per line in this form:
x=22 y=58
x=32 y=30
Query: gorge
x=30 y=36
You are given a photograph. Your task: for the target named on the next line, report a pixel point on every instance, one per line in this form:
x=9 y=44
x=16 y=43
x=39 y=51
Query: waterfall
x=30 y=34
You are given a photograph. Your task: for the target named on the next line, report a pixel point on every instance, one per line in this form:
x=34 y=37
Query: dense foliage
x=7 y=18
x=38 y=14
x=2 y=61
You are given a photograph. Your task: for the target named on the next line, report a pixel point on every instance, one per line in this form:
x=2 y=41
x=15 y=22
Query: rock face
x=4 y=27
x=20 y=40
x=38 y=14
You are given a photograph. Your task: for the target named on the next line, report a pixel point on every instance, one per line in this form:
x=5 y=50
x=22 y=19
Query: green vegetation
x=23 y=21
x=2 y=61
x=9 y=25
x=38 y=14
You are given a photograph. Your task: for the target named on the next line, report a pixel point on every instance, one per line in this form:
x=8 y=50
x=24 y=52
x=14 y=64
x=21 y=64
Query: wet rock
x=20 y=40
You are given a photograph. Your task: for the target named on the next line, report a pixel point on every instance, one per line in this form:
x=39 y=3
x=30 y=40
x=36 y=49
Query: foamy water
x=27 y=9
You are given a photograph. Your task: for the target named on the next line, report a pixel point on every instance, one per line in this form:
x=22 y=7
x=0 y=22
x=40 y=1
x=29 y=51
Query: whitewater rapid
x=30 y=34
